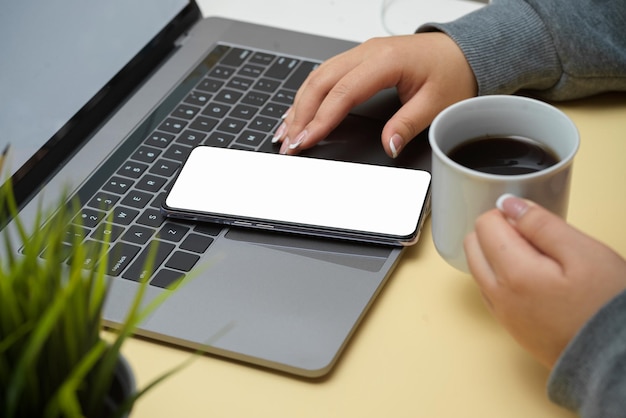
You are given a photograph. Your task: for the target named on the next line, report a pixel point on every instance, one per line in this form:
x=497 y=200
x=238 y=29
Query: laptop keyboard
x=234 y=98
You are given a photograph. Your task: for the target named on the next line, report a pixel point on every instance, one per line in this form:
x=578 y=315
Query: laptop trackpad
x=358 y=139
x=356 y=255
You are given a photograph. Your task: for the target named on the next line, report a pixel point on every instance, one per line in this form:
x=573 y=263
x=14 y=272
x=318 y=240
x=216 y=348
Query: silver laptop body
x=283 y=302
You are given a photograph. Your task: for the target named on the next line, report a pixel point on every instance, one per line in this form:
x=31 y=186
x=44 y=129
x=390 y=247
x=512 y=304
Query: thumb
x=411 y=119
x=546 y=231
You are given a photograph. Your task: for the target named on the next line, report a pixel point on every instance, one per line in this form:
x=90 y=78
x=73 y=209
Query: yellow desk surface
x=428 y=347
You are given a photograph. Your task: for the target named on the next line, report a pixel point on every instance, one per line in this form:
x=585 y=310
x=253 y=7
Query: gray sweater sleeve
x=590 y=376
x=553 y=49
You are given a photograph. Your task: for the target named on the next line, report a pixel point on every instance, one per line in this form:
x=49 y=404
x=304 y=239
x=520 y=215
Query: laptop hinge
x=180 y=41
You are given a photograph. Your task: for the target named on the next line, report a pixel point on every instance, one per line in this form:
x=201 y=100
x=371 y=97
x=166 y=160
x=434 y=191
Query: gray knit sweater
x=559 y=50
x=590 y=376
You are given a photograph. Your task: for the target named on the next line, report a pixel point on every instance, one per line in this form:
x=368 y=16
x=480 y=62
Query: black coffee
x=503 y=155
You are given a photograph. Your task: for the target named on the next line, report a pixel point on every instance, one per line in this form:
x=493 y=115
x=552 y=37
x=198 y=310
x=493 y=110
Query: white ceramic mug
x=460 y=194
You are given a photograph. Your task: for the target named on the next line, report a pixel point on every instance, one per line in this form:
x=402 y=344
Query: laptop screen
x=56 y=56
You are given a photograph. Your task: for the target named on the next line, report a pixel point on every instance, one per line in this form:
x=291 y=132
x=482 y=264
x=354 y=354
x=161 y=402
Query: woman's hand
x=541 y=278
x=428 y=69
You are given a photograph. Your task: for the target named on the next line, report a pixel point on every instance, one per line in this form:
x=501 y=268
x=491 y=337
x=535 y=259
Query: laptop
x=106 y=99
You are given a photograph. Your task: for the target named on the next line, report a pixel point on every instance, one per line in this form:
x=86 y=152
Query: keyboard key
x=208 y=228
x=210 y=85
x=297 y=78
x=221 y=72
x=232 y=126
x=242 y=147
x=159 y=139
x=262 y=58
x=177 y=152
x=181 y=260
x=140 y=270
x=60 y=253
x=203 y=124
x=88 y=217
x=146 y=154
x=103 y=201
x=281 y=68
x=191 y=138
x=250 y=70
x=196 y=243
x=255 y=98
x=251 y=138
x=151 y=183
x=198 y=98
x=228 y=96
x=124 y=216
x=174 y=126
x=267 y=85
x=216 y=110
x=269 y=147
x=274 y=110
x=235 y=57
x=185 y=112
x=167 y=279
x=284 y=96
x=137 y=199
x=219 y=139
x=120 y=257
x=132 y=169
x=118 y=185
x=94 y=250
x=156 y=202
x=151 y=217
x=107 y=232
x=138 y=234
x=240 y=83
x=75 y=233
x=172 y=232
x=164 y=168
x=243 y=112
x=263 y=124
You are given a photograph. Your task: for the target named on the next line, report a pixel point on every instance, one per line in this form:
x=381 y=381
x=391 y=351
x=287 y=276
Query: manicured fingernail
x=285 y=146
x=299 y=139
x=284 y=116
x=395 y=144
x=279 y=133
x=512 y=206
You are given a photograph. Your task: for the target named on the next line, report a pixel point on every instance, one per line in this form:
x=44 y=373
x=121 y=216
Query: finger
x=509 y=253
x=312 y=93
x=347 y=92
x=411 y=119
x=316 y=87
x=478 y=264
x=339 y=85
x=544 y=230
x=435 y=83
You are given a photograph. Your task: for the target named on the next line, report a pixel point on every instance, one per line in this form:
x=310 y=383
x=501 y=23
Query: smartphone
x=304 y=195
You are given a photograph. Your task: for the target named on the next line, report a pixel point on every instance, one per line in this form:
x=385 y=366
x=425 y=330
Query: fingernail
x=284 y=116
x=299 y=139
x=512 y=206
x=285 y=146
x=395 y=144
x=279 y=133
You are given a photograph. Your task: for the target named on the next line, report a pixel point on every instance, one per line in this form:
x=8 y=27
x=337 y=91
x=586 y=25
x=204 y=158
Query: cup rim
x=564 y=161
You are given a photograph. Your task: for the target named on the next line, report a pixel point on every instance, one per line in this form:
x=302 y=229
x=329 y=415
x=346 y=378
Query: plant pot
x=122 y=387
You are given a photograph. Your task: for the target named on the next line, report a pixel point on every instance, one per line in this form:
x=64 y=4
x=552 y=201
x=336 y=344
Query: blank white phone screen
x=301 y=191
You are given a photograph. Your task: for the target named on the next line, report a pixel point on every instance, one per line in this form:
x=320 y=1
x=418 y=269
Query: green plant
x=53 y=359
